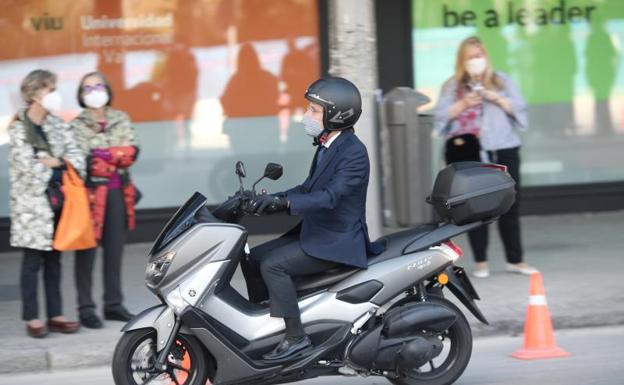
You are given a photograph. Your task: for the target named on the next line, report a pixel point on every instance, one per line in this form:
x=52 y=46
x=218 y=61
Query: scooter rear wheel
x=135 y=357
x=458 y=348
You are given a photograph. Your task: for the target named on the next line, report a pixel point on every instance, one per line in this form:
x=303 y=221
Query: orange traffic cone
x=539 y=339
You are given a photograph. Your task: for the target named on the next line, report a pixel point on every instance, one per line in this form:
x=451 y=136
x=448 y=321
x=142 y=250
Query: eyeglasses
x=88 y=88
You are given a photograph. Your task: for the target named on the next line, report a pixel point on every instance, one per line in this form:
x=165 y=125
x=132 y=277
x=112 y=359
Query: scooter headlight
x=157 y=268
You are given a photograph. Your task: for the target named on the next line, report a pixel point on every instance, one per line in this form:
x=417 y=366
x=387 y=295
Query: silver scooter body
x=196 y=268
x=387 y=320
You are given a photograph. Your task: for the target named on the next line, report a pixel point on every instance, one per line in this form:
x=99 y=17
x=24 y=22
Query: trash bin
x=407 y=158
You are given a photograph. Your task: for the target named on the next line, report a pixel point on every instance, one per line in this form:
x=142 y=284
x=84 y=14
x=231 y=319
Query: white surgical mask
x=96 y=99
x=52 y=101
x=476 y=66
x=311 y=126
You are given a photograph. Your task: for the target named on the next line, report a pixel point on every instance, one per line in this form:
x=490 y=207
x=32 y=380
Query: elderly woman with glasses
x=107 y=136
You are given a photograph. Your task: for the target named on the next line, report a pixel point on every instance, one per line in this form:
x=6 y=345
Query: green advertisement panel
x=566 y=57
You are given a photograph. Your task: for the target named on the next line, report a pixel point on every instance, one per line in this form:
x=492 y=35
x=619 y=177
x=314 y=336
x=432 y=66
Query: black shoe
x=287 y=348
x=91 y=321
x=118 y=314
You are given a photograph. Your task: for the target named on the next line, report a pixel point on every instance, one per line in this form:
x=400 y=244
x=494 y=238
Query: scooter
x=391 y=319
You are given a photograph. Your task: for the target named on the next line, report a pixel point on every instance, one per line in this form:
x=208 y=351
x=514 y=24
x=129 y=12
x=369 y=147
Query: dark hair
x=109 y=90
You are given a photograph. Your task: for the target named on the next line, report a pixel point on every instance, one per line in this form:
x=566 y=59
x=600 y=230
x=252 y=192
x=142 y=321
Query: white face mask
x=96 y=99
x=476 y=66
x=312 y=126
x=52 y=101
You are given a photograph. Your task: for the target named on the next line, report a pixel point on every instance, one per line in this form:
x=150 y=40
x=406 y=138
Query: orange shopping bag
x=75 y=228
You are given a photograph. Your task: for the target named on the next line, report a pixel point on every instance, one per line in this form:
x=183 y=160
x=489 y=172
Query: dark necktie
x=320 y=155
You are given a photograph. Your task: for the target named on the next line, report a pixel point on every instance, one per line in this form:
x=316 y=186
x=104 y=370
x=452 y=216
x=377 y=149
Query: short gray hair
x=35 y=81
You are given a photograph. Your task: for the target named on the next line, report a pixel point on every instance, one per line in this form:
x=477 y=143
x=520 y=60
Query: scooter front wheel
x=135 y=357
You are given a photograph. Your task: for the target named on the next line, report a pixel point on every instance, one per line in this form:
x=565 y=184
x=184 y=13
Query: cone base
x=536 y=354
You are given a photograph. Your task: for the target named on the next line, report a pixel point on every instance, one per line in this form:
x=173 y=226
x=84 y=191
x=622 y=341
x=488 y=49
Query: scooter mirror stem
x=240 y=181
x=253 y=188
x=240 y=172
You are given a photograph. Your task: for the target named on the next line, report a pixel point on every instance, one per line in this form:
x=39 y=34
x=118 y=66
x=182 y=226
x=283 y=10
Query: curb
x=28 y=360
x=516 y=328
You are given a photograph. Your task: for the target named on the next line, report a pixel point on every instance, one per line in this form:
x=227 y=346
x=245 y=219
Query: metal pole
x=353 y=55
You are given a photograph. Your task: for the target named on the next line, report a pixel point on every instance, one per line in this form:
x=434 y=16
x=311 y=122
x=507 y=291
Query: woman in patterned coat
x=107 y=136
x=40 y=143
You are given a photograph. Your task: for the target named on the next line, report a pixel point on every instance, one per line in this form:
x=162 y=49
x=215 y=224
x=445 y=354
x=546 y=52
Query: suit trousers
x=112 y=242
x=508 y=223
x=31 y=262
x=270 y=269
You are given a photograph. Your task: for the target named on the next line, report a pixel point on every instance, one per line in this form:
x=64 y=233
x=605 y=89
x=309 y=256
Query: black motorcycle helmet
x=341 y=101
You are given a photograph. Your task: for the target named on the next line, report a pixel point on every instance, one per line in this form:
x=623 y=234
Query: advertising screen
x=205 y=82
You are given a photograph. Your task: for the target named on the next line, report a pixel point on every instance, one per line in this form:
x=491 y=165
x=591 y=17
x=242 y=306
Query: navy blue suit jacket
x=332 y=202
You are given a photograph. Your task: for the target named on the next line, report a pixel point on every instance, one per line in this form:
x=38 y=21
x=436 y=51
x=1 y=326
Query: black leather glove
x=268 y=204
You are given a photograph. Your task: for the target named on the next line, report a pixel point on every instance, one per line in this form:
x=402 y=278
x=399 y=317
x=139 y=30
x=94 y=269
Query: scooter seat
x=312 y=282
x=419 y=238
x=395 y=243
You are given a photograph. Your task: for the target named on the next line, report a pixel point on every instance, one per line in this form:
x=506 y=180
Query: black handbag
x=55 y=196
x=462 y=148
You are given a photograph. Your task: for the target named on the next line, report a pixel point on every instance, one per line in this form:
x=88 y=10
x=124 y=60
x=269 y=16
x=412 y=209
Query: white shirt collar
x=331 y=140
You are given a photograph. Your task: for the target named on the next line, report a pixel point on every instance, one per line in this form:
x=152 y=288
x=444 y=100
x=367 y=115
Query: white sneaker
x=481 y=273
x=526 y=270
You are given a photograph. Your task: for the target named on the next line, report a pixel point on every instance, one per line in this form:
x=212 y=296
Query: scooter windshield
x=181 y=221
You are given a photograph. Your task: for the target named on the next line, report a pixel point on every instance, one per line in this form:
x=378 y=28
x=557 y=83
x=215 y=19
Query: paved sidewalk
x=580 y=256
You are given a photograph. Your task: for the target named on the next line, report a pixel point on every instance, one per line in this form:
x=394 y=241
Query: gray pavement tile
x=24 y=359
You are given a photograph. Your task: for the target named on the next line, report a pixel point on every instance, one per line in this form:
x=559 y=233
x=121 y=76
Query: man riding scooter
x=332 y=204
x=383 y=315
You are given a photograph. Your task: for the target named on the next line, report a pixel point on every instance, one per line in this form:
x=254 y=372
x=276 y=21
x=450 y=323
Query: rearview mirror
x=240 y=169
x=273 y=171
